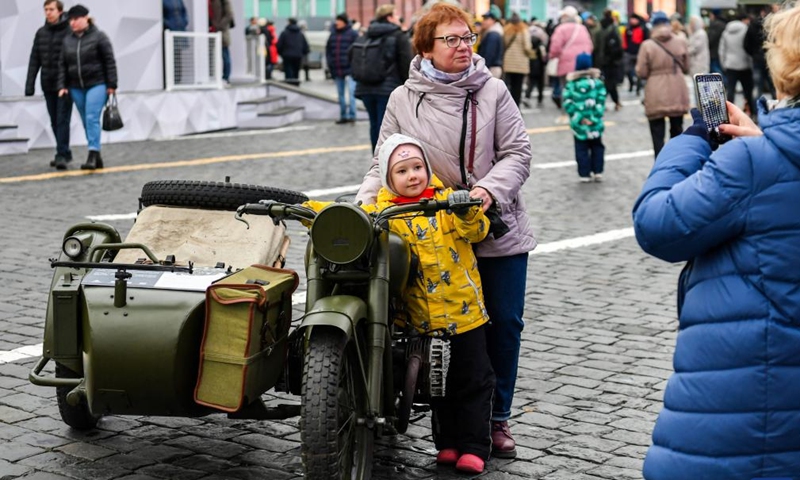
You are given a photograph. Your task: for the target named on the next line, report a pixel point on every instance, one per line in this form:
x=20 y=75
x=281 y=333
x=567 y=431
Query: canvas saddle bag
x=248 y=315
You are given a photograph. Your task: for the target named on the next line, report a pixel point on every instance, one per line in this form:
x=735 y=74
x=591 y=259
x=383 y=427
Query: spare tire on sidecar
x=126 y=319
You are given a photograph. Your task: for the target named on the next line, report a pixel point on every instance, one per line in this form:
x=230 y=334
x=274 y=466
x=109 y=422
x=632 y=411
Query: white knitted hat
x=387 y=149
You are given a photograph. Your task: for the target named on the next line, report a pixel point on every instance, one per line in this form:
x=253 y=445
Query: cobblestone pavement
x=596 y=352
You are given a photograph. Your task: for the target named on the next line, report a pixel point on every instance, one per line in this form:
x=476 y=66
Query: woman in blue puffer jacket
x=732 y=407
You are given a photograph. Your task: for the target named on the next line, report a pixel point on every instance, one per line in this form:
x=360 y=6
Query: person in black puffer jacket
x=292 y=47
x=376 y=97
x=88 y=73
x=45 y=55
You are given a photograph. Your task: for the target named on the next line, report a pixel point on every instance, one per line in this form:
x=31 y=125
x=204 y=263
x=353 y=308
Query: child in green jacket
x=585 y=102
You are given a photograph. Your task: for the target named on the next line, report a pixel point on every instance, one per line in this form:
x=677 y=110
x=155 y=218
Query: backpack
x=613 y=47
x=371 y=59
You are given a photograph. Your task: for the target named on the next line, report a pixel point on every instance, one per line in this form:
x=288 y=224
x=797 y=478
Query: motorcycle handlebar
x=424 y=206
x=280 y=211
x=276 y=210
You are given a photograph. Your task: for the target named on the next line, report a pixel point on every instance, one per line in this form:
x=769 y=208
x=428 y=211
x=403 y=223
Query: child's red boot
x=448 y=456
x=470 y=463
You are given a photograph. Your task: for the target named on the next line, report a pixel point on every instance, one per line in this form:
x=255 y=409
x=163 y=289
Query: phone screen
x=711 y=101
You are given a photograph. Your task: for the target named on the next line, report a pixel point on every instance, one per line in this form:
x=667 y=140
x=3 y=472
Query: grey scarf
x=432 y=73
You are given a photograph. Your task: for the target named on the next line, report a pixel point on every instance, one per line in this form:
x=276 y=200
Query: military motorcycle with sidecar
x=191 y=315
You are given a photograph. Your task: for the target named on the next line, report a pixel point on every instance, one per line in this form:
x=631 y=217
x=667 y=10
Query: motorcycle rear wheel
x=78 y=417
x=212 y=195
x=334 y=447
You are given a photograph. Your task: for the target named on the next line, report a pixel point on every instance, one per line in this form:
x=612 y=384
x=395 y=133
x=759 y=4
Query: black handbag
x=111 y=117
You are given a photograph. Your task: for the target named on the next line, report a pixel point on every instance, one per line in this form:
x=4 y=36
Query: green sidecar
x=126 y=320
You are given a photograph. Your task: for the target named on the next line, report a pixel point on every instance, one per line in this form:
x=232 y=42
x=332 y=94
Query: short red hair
x=441 y=13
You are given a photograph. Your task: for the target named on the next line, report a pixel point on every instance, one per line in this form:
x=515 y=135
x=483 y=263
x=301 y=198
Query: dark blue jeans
x=376 y=107
x=590 y=155
x=226 y=63
x=60 y=111
x=504 y=280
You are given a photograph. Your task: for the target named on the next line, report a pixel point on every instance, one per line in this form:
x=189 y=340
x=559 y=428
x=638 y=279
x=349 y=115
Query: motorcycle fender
x=341 y=311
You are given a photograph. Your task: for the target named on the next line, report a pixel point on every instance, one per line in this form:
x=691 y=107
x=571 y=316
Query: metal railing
x=256 y=57
x=192 y=60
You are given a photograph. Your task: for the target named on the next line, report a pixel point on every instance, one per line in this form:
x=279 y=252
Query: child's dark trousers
x=461 y=419
x=590 y=155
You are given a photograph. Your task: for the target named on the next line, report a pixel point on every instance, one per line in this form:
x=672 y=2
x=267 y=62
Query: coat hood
x=474 y=81
x=780 y=129
x=662 y=33
x=386 y=150
x=736 y=27
x=588 y=73
x=63 y=22
x=379 y=29
x=292 y=28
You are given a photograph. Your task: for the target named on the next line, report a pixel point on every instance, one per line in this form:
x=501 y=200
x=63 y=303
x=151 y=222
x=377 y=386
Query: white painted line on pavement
x=323 y=192
x=234 y=134
x=300 y=297
x=586 y=241
x=608 y=158
x=112 y=217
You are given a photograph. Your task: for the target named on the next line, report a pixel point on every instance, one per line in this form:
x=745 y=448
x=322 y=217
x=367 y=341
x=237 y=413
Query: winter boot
x=60 y=163
x=93 y=161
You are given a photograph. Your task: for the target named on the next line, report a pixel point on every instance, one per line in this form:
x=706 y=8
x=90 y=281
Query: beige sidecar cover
x=206 y=237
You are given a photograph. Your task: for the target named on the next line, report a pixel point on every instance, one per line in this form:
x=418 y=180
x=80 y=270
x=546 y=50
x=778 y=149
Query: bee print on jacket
x=434 y=224
x=464 y=308
x=452 y=328
x=432 y=286
x=425 y=326
x=454 y=255
x=422 y=233
x=446 y=277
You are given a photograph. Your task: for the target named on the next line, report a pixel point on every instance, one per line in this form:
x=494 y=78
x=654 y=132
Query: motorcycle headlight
x=341 y=233
x=72 y=247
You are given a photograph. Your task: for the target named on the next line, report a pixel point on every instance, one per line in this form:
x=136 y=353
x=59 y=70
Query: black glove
x=457 y=201
x=497 y=227
x=700 y=129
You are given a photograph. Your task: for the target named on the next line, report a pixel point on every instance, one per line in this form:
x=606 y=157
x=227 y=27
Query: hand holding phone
x=710 y=93
x=741 y=124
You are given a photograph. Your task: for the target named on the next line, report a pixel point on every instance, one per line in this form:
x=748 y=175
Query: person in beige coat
x=516 y=58
x=699 y=53
x=663 y=61
x=468 y=122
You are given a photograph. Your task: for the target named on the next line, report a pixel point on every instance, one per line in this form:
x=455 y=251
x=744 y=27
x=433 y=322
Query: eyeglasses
x=453 y=41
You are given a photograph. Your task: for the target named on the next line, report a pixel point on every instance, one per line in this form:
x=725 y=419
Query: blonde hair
x=783 y=49
x=384 y=11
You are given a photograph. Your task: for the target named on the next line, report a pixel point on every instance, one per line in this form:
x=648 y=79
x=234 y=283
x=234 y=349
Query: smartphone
x=710 y=92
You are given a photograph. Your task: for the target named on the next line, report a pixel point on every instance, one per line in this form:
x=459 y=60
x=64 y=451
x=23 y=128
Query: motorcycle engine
x=435 y=355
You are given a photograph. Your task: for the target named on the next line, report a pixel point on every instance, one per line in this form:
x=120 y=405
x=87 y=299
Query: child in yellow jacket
x=446 y=296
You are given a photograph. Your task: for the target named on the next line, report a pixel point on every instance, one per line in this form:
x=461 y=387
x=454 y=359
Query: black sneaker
x=342 y=121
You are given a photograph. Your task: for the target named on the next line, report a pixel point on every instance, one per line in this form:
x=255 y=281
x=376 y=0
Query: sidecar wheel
x=333 y=445
x=212 y=195
x=79 y=417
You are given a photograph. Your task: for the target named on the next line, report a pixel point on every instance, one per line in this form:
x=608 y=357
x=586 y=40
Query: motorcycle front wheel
x=334 y=446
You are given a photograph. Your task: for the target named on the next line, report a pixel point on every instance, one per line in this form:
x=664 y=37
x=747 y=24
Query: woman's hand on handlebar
x=741 y=124
x=483 y=194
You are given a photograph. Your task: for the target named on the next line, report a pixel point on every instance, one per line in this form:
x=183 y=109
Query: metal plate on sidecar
x=197 y=281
